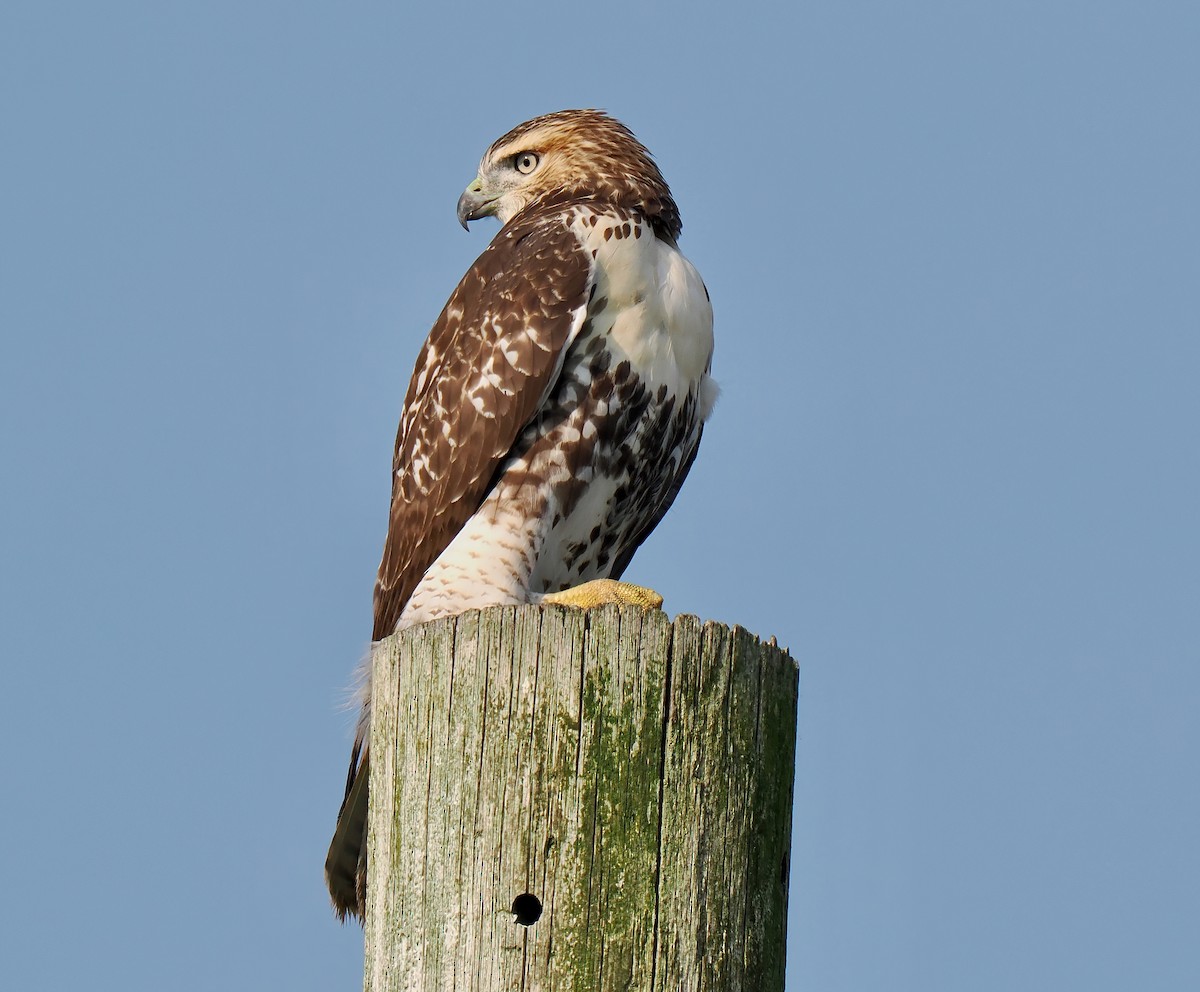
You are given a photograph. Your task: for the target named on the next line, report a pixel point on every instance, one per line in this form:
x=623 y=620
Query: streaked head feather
x=582 y=154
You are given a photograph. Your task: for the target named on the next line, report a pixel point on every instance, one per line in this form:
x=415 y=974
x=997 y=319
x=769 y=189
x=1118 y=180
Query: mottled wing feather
x=489 y=360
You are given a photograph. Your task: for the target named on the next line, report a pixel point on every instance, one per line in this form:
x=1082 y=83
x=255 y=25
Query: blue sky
x=953 y=253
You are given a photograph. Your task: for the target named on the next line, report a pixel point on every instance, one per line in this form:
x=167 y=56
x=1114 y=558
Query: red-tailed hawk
x=555 y=408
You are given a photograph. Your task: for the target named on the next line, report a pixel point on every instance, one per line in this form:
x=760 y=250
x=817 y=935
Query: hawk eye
x=526 y=162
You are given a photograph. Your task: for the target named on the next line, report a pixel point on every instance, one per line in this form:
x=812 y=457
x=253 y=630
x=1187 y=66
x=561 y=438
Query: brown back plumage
x=532 y=278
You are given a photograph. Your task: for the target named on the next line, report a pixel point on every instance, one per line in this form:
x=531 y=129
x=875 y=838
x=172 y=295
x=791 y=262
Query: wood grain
x=632 y=774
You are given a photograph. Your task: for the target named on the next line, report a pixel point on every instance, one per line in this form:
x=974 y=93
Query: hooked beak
x=474 y=203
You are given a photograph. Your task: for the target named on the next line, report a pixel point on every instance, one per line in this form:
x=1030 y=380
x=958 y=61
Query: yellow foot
x=600 y=592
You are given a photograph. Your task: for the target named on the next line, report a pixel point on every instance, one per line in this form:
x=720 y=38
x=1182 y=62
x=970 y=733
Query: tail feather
x=346 y=863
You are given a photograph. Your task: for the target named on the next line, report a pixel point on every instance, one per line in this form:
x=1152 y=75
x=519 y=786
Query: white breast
x=658 y=314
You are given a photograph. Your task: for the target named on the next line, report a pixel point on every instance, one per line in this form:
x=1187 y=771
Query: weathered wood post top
x=579 y=800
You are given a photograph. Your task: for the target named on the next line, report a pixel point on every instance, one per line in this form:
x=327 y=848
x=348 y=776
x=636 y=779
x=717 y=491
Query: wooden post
x=579 y=801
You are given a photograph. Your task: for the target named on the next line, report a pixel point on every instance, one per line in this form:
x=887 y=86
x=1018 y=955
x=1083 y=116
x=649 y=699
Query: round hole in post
x=527 y=909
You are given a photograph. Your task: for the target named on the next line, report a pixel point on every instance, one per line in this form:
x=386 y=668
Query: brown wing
x=490 y=358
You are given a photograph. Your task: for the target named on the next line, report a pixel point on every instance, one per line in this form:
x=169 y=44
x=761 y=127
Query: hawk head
x=569 y=155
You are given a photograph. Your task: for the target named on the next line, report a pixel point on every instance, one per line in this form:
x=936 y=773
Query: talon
x=600 y=592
